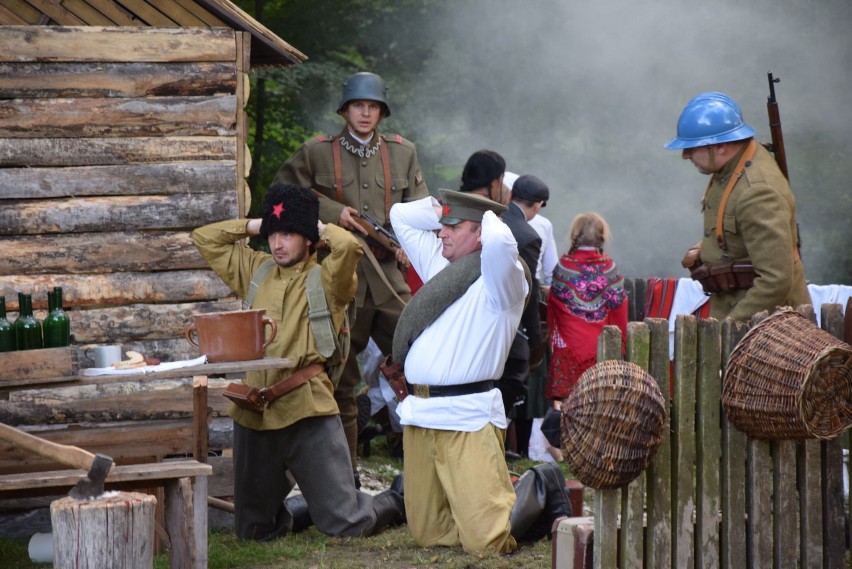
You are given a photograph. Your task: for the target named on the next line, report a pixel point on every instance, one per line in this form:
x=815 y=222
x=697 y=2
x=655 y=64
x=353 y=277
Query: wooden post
x=115 y=530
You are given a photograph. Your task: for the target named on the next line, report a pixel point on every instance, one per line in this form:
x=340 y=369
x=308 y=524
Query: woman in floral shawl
x=587 y=294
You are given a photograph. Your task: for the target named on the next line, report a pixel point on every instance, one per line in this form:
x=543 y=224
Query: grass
x=392 y=549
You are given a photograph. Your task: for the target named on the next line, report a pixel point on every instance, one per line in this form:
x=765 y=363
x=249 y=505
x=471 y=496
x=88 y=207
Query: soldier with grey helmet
x=748 y=259
x=361 y=171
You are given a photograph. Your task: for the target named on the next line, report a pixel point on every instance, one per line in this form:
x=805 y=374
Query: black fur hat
x=290 y=208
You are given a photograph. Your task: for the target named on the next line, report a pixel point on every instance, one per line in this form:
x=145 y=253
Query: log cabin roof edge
x=267 y=49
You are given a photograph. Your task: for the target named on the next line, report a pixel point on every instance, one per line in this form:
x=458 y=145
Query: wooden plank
x=59 y=480
x=607 y=501
x=121 y=440
x=808 y=470
x=57 y=13
x=683 y=428
x=116 y=80
x=23 y=10
x=243 y=158
x=785 y=505
x=118 y=117
x=733 y=482
x=200 y=415
x=114 y=12
x=204 y=15
x=37 y=364
x=759 y=499
x=98 y=253
x=131 y=400
x=179 y=523
x=86 y=13
x=100 y=214
x=148 y=13
x=633 y=496
x=179 y=14
x=116 y=289
x=117 y=44
x=708 y=444
x=658 y=552
x=831 y=466
x=132 y=180
x=106 y=151
x=10 y=18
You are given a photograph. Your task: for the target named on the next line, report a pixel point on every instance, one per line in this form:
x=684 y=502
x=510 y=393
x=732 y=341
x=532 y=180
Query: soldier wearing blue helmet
x=748 y=259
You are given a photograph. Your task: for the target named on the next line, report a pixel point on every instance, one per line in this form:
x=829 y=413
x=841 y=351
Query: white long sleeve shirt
x=470 y=341
x=548 y=257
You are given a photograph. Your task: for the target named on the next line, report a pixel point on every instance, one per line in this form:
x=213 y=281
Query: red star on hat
x=446 y=211
x=278 y=209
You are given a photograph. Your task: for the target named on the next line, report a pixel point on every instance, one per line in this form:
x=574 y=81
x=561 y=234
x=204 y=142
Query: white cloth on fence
x=689 y=296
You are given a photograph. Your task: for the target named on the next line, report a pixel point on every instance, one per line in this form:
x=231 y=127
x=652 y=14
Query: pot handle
x=189 y=330
x=267 y=321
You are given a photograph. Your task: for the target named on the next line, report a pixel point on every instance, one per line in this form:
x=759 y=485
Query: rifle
x=777 y=146
x=377 y=234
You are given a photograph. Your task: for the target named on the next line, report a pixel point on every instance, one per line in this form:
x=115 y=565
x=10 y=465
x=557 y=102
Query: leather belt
x=427 y=391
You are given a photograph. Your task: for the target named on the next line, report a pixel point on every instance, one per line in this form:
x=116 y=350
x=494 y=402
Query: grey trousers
x=315 y=452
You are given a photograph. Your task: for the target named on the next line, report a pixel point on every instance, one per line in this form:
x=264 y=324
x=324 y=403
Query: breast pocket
x=327 y=184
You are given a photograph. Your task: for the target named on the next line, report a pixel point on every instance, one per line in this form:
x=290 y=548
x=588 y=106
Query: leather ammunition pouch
x=396 y=378
x=255 y=400
x=726 y=276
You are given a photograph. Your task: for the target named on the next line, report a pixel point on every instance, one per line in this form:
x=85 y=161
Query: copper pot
x=233 y=336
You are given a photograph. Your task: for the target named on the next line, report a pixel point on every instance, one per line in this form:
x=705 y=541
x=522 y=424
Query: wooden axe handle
x=66 y=454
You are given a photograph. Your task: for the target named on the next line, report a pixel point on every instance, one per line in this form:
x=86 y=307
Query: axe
x=98 y=465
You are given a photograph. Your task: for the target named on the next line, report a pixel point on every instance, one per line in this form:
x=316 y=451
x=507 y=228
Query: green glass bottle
x=27 y=326
x=57 y=325
x=8 y=343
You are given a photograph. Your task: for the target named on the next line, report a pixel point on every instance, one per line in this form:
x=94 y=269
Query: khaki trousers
x=457 y=488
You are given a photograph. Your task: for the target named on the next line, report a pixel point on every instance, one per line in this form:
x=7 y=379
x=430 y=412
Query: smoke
x=585 y=94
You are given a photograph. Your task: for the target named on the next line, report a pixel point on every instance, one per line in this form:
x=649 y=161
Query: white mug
x=105 y=356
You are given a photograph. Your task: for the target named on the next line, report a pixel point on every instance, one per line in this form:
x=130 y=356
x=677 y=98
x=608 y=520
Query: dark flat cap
x=530 y=188
x=461 y=206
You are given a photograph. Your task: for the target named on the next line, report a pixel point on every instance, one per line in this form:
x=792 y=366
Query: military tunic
x=283 y=295
x=760 y=225
x=312 y=166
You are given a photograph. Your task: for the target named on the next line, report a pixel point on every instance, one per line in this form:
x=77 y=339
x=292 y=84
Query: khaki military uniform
x=760 y=225
x=312 y=166
x=364 y=188
x=283 y=295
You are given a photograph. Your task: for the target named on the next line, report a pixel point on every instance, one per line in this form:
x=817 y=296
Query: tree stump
x=115 y=530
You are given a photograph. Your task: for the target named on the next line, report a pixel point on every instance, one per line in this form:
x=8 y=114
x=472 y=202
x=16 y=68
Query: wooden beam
x=87 y=13
x=98 y=253
x=117 y=14
x=202 y=14
x=179 y=14
x=117 y=289
x=115 y=117
x=107 y=151
x=147 y=13
x=115 y=80
x=116 y=44
x=200 y=178
x=128 y=213
x=10 y=18
x=57 y=13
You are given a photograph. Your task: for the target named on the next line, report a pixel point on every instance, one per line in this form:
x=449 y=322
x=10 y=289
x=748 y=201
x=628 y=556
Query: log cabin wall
x=114 y=144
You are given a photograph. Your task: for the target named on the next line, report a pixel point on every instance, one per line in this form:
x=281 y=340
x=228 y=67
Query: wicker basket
x=788 y=379
x=612 y=424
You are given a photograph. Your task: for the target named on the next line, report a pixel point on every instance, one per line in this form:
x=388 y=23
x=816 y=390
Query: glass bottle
x=27 y=326
x=57 y=325
x=8 y=343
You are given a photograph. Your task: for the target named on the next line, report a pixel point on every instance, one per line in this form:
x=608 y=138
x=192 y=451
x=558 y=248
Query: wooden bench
x=185 y=504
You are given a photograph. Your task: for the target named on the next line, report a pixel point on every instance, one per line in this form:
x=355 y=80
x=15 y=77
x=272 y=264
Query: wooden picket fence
x=712 y=496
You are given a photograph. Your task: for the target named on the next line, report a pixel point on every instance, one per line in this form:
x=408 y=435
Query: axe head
x=92 y=485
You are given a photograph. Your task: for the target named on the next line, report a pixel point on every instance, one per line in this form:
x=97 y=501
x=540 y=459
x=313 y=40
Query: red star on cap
x=278 y=209
x=446 y=211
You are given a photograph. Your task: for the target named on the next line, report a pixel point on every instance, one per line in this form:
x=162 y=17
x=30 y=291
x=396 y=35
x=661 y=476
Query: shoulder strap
x=338 y=169
x=739 y=170
x=319 y=315
x=257 y=277
x=383 y=150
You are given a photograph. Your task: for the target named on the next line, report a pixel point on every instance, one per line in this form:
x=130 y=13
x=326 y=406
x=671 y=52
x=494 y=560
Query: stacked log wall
x=115 y=143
